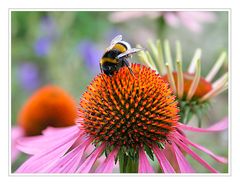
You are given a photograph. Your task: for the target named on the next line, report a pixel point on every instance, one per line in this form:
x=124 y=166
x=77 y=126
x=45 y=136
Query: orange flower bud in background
x=203 y=87
x=48 y=106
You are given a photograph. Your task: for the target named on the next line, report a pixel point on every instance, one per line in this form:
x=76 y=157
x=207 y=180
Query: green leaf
x=149 y=152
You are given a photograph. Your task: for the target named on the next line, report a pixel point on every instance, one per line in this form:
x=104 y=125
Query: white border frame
x=118 y=174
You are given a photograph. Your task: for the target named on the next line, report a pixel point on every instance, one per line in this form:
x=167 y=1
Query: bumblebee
x=116 y=56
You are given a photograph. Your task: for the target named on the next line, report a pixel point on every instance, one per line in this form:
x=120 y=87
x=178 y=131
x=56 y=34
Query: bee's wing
x=115 y=40
x=129 y=52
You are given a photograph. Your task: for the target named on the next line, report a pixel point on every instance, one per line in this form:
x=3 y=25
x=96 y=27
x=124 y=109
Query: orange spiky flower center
x=127 y=110
x=203 y=86
x=48 y=106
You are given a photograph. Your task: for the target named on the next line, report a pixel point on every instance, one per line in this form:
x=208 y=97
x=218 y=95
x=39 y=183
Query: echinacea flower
x=191 y=20
x=48 y=106
x=192 y=90
x=128 y=119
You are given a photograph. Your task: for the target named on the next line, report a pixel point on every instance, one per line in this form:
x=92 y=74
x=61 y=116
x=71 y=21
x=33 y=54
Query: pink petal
x=36 y=144
x=42 y=161
x=50 y=131
x=216 y=157
x=194 y=155
x=219 y=126
x=183 y=164
x=170 y=155
x=89 y=162
x=16 y=134
x=49 y=154
x=144 y=165
x=108 y=164
x=164 y=163
x=69 y=162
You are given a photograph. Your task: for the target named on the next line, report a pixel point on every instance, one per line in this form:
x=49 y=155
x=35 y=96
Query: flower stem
x=127 y=164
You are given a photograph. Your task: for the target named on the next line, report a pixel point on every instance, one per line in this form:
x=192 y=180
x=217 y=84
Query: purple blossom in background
x=48 y=27
x=90 y=55
x=42 y=46
x=44 y=42
x=29 y=77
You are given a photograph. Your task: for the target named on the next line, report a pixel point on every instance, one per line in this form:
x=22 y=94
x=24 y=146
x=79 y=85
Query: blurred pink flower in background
x=126 y=16
x=191 y=20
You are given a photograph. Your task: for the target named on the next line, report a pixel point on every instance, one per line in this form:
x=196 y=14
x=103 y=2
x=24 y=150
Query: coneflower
x=49 y=106
x=129 y=119
x=192 y=90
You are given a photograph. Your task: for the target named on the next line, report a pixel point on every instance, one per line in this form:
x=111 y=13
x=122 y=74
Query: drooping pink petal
x=69 y=162
x=183 y=164
x=42 y=161
x=36 y=144
x=194 y=155
x=16 y=134
x=168 y=152
x=164 y=163
x=207 y=151
x=219 y=126
x=48 y=155
x=108 y=164
x=89 y=162
x=144 y=165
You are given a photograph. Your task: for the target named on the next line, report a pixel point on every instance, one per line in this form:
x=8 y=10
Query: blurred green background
x=64 y=48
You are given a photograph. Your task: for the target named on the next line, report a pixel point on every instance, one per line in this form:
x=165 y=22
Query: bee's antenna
x=102 y=73
x=101 y=68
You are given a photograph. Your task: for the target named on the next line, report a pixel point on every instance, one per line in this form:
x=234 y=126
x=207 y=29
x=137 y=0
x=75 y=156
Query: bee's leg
x=102 y=74
x=101 y=68
x=127 y=64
